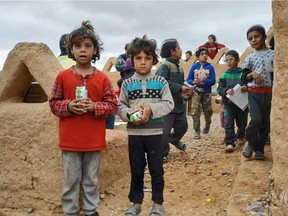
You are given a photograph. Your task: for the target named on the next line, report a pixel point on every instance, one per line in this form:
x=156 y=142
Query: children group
x=153 y=105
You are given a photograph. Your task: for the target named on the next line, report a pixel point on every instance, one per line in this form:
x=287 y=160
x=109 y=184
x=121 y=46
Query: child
x=150 y=96
x=188 y=55
x=259 y=78
x=174 y=74
x=212 y=46
x=120 y=63
x=227 y=81
x=202 y=74
x=82 y=121
x=63 y=58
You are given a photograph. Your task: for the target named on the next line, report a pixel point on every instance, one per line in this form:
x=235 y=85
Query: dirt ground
x=202 y=181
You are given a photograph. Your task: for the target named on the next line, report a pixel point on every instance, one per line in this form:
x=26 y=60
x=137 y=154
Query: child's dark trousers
x=141 y=147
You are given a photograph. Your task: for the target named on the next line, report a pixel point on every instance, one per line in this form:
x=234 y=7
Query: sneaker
x=241 y=141
x=259 y=155
x=180 y=145
x=229 y=148
x=206 y=130
x=196 y=135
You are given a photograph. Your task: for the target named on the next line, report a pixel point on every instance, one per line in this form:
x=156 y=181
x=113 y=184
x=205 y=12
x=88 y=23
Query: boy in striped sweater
x=144 y=99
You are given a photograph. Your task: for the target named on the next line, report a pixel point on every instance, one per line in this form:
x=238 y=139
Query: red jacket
x=84 y=132
x=212 y=53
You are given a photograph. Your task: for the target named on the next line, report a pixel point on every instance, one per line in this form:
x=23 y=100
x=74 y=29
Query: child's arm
x=164 y=106
x=212 y=77
x=249 y=76
x=123 y=106
x=57 y=103
x=244 y=89
x=190 y=78
x=109 y=102
x=222 y=88
x=164 y=71
x=256 y=77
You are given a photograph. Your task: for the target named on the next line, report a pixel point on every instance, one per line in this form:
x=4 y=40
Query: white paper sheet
x=239 y=98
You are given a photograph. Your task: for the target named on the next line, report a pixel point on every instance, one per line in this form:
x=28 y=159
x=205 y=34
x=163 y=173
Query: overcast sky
x=118 y=22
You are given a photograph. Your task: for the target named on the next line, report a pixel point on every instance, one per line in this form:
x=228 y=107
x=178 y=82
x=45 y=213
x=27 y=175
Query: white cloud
x=118 y=22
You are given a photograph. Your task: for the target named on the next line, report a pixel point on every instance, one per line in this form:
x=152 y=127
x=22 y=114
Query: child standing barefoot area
x=260 y=80
x=82 y=97
x=144 y=99
x=232 y=112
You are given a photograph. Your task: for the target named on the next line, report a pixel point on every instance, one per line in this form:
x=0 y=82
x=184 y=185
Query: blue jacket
x=206 y=73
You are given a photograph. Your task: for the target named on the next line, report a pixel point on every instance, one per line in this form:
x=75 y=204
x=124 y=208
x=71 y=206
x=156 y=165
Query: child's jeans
x=80 y=168
x=152 y=146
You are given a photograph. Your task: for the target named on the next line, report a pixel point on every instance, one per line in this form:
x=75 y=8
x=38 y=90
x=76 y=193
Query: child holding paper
x=232 y=113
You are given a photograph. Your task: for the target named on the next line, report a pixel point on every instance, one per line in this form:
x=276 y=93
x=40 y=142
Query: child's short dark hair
x=85 y=31
x=233 y=53
x=148 y=46
x=258 y=28
x=200 y=50
x=189 y=52
x=213 y=37
x=63 y=44
x=167 y=46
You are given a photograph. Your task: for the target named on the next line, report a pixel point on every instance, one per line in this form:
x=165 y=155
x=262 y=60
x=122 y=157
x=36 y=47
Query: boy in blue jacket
x=202 y=76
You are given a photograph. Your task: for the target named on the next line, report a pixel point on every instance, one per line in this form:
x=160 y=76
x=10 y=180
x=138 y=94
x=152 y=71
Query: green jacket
x=174 y=74
x=228 y=80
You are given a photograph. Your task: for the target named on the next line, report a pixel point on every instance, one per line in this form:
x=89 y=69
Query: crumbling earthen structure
x=30 y=162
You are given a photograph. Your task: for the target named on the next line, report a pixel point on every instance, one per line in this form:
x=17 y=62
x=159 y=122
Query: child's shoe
x=247 y=151
x=132 y=211
x=180 y=145
x=206 y=130
x=196 y=135
x=230 y=148
x=259 y=155
x=157 y=211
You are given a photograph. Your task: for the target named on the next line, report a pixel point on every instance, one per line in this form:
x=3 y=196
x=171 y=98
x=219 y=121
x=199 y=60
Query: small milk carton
x=81 y=92
x=136 y=116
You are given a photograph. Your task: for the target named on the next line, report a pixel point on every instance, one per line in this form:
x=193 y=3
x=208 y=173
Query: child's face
x=231 y=62
x=188 y=56
x=177 y=52
x=203 y=56
x=256 y=40
x=143 y=63
x=211 y=40
x=83 y=51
